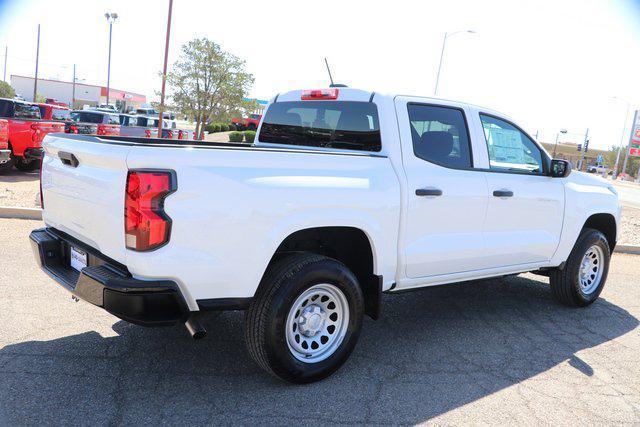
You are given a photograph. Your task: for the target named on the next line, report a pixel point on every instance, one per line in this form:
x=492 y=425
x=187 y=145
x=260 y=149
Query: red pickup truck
x=26 y=132
x=250 y=123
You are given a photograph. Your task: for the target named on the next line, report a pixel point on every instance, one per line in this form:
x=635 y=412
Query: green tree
x=207 y=83
x=6 y=91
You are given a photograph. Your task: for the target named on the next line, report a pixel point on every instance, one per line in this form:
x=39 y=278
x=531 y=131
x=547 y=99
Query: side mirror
x=560 y=168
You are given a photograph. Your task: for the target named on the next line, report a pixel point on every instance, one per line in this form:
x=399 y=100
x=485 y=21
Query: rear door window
x=332 y=124
x=439 y=135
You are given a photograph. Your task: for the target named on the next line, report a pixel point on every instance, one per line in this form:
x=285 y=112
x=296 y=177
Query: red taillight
x=73 y=129
x=147 y=133
x=319 y=94
x=170 y=134
x=101 y=130
x=147 y=226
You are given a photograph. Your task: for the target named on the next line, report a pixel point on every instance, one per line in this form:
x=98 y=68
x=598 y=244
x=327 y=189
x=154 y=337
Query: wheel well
x=348 y=245
x=606 y=224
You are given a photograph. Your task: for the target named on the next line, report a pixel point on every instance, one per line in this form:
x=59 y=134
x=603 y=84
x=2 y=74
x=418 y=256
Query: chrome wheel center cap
x=311 y=320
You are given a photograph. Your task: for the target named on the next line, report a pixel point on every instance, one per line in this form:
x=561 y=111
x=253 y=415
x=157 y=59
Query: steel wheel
x=317 y=323
x=590 y=270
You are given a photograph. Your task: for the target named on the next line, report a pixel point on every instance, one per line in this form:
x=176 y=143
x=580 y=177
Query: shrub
x=216 y=127
x=224 y=127
x=209 y=128
x=249 y=136
x=235 y=137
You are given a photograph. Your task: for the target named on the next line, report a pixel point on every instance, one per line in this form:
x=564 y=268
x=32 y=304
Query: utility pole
x=6 y=49
x=73 y=90
x=111 y=17
x=626 y=154
x=164 y=74
x=35 y=81
x=584 y=149
x=624 y=126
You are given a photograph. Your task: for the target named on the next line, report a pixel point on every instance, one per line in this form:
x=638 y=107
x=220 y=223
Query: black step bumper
x=107 y=283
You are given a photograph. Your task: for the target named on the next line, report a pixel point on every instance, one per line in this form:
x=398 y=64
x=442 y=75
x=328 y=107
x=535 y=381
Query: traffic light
x=586 y=146
x=579 y=147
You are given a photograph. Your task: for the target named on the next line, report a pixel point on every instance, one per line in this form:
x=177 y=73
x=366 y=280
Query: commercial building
x=85 y=94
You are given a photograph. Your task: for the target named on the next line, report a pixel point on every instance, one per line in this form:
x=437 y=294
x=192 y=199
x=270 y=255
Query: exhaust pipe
x=194 y=328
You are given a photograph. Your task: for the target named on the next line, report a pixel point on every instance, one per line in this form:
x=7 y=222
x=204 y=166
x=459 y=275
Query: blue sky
x=549 y=64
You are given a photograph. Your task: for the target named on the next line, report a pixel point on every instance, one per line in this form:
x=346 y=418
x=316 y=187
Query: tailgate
x=83 y=188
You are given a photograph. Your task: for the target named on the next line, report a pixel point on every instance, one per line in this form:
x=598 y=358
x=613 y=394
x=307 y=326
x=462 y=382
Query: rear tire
x=6 y=167
x=582 y=279
x=305 y=319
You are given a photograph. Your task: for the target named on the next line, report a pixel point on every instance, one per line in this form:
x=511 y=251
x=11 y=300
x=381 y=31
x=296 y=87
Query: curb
x=627 y=249
x=20 y=213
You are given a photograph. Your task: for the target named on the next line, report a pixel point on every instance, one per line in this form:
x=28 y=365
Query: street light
x=624 y=127
x=111 y=18
x=444 y=44
x=557 y=136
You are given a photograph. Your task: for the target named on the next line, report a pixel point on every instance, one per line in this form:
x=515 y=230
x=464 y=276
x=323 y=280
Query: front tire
x=582 y=279
x=305 y=319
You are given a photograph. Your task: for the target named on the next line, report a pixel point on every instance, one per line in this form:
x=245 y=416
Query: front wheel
x=581 y=281
x=305 y=319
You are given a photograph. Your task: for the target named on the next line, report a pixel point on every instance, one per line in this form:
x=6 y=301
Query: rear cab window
x=26 y=111
x=349 y=125
x=86 y=117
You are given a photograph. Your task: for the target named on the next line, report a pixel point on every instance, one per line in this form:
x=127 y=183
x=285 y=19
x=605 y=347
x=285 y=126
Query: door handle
x=68 y=159
x=428 y=192
x=503 y=193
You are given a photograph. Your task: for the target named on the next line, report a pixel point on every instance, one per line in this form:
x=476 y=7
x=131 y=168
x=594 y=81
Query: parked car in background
x=136 y=126
x=106 y=107
x=105 y=123
x=153 y=112
x=344 y=195
x=599 y=169
x=26 y=129
x=5 y=153
x=249 y=123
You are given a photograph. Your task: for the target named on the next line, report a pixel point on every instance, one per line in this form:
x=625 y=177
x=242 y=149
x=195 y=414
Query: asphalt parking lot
x=495 y=352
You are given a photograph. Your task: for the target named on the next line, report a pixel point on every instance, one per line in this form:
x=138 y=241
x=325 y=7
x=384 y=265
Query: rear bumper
x=5 y=156
x=107 y=283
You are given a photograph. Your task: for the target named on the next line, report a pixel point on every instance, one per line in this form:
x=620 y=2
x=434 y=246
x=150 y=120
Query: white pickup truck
x=344 y=195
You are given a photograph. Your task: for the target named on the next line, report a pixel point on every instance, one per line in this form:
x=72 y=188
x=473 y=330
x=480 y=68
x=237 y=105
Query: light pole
x=164 y=70
x=624 y=127
x=111 y=18
x=556 y=145
x=444 y=44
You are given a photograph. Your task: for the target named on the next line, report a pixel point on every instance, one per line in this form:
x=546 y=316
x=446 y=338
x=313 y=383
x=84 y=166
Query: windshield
x=335 y=124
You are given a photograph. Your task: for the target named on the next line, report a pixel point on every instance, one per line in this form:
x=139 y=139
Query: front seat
x=436 y=146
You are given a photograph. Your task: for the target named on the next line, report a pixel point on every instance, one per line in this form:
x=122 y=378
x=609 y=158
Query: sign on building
x=634 y=143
